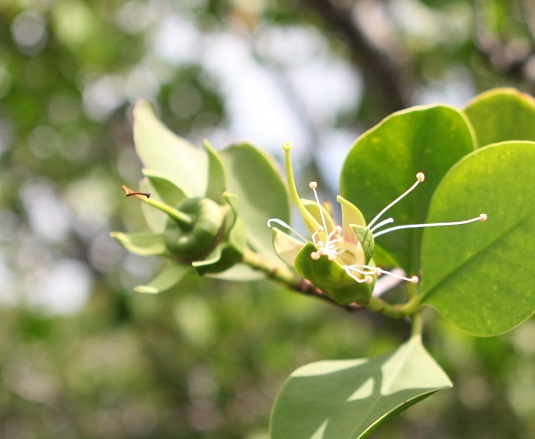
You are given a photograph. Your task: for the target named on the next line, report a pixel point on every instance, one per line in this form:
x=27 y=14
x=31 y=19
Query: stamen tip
x=287 y=146
x=312 y=185
x=368 y=279
x=483 y=217
x=414 y=280
x=315 y=256
x=420 y=176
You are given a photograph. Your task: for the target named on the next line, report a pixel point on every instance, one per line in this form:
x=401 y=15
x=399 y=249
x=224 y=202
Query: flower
x=338 y=259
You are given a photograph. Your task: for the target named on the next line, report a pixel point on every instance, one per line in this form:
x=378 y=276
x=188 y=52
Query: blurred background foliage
x=81 y=356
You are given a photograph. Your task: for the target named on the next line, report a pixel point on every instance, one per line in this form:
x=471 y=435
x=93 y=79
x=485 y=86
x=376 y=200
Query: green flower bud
x=194 y=241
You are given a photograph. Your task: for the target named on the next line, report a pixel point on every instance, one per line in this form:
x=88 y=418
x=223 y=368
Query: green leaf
x=156 y=219
x=331 y=278
x=502 y=114
x=480 y=276
x=145 y=244
x=168 y=277
x=216 y=174
x=348 y=399
x=161 y=150
x=384 y=161
x=255 y=179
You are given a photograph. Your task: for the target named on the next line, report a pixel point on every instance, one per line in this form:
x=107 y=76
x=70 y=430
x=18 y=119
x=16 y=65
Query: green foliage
x=384 y=161
x=478 y=275
x=348 y=399
x=117 y=364
x=471 y=273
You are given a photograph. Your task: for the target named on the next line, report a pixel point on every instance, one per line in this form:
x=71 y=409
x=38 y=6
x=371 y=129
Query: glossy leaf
x=384 y=161
x=331 y=278
x=255 y=179
x=161 y=150
x=480 y=275
x=348 y=399
x=502 y=114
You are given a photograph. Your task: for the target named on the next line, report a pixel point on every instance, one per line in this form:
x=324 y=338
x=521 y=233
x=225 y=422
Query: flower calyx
x=203 y=233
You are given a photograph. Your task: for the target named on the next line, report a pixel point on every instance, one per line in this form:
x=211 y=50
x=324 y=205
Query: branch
x=289 y=279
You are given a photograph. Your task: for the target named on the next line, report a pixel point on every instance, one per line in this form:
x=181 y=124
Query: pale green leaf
x=255 y=179
x=348 y=399
x=161 y=150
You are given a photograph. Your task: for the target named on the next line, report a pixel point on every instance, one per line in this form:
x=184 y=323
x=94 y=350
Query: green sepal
x=144 y=244
x=195 y=241
x=351 y=214
x=286 y=246
x=229 y=251
x=166 y=279
x=331 y=278
x=365 y=237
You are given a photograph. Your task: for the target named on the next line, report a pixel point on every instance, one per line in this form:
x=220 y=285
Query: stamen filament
x=419 y=178
x=481 y=217
x=367 y=275
x=283 y=224
x=382 y=223
x=313 y=185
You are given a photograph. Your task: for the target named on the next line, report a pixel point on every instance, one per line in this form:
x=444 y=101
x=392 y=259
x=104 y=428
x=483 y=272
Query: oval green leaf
x=502 y=114
x=254 y=177
x=161 y=150
x=383 y=164
x=348 y=399
x=480 y=275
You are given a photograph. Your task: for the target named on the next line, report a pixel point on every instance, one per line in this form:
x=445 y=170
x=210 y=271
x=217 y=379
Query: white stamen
x=481 y=217
x=313 y=185
x=283 y=224
x=367 y=275
x=377 y=271
x=419 y=178
x=382 y=223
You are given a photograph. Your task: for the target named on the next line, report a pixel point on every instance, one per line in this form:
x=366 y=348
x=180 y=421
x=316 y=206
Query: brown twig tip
x=130 y=192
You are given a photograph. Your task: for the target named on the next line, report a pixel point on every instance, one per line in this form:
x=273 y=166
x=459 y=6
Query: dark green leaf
x=384 y=162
